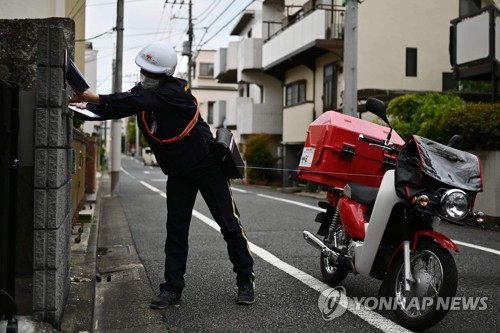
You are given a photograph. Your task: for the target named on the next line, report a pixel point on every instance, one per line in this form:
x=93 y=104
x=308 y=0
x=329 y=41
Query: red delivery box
x=333 y=155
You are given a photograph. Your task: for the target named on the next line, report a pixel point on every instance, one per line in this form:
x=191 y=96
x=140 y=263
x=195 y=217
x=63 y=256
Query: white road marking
x=477 y=247
x=239 y=190
x=371 y=317
x=126 y=172
x=473 y=246
x=291 y=202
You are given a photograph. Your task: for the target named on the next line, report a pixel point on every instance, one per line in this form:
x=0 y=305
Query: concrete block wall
x=487 y=201
x=53 y=169
x=33 y=54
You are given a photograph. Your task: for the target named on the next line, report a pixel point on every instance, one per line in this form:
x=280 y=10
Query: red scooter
x=389 y=232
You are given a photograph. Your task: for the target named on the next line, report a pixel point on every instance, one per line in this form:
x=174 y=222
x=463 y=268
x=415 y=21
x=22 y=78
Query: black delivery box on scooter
x=227 y=154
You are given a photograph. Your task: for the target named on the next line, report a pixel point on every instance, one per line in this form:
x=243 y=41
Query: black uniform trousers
x=182 y=189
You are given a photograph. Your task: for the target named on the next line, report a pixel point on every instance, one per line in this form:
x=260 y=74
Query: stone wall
x=32 y=54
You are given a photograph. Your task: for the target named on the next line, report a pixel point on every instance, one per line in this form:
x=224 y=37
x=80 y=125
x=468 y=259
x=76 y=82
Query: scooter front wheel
x=435 y=282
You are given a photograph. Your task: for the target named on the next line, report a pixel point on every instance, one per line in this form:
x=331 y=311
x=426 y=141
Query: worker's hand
x=80 y=105
x=86 y=96
x=75 y=99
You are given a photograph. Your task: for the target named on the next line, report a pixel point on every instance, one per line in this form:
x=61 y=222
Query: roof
x=242 y=23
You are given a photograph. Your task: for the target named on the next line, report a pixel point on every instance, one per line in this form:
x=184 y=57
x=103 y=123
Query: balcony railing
x=308 y=34
x=250 y=54
x=334 y=20
x=258 y=118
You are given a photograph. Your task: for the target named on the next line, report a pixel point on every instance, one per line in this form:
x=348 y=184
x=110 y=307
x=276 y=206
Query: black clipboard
x=75 y=78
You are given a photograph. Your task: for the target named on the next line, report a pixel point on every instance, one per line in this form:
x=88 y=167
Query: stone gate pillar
x=32 y=54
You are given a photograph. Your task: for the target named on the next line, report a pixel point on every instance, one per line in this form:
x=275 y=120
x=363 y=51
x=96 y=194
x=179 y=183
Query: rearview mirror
x=377 y=107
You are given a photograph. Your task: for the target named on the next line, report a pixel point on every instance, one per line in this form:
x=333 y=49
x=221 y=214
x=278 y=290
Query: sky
x=146 y=21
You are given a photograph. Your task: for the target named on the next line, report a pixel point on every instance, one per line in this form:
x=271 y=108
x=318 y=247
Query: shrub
x=439 y=116
x=421 y=114
x=259 y=158
x=479 y=124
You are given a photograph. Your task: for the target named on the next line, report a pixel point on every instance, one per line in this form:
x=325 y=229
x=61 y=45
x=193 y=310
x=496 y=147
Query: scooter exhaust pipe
x=315 y=242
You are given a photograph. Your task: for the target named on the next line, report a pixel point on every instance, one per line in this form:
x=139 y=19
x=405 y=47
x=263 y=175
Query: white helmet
x=157 y=58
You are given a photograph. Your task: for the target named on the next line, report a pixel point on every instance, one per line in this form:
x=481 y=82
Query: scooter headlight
x=455 y=204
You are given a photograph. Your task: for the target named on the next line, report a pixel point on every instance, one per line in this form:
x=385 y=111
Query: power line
x=225 y=25
x=206 y=29
x=112 y=3
x=161 y=17
x=208 y=10
x=97 y=36
x=221 y=13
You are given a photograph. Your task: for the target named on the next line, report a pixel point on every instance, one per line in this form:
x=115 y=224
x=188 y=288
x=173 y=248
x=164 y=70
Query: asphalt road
x=288 y=282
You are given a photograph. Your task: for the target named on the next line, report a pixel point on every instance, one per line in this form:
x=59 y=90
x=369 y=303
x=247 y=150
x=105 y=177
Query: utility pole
x=190 y=39
x=188 y=46
x=351 y=58
x=116 y=126
x=137 y=139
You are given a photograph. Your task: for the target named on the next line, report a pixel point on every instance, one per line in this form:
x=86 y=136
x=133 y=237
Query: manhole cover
x=131 y=274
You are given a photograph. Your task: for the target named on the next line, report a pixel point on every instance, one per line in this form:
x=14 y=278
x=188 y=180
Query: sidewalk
x=110 y=291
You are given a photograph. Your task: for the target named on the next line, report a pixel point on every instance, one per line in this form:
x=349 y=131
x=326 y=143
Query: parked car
x=148 y=157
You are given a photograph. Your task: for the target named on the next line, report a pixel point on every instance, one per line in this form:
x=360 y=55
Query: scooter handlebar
x=379 y=143
x=371 y=140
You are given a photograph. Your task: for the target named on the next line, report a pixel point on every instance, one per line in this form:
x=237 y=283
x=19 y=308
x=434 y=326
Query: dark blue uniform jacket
x=162 y=112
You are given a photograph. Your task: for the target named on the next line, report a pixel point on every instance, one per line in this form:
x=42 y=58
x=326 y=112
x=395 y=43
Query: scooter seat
x=361 y=193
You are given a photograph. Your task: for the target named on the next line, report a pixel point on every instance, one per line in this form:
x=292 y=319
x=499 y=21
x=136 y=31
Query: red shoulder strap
x=179 y=136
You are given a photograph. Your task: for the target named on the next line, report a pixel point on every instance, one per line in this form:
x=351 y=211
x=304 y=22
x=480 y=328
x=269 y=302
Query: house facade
x=212 y=97
x=289 y=61
x=257 y=107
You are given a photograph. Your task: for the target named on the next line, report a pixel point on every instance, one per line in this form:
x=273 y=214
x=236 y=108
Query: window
x=206 y=69
x=210 y=113
x=296 y=93
x=467 y=7
x=411 y=61
x=329 y=88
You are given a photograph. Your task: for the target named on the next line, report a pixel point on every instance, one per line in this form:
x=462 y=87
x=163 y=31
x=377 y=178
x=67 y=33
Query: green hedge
x=439 y=116
x=479 y=124
x=420 y=114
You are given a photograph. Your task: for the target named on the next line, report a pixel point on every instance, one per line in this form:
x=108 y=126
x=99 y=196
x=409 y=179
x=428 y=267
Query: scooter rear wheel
x=332 y=273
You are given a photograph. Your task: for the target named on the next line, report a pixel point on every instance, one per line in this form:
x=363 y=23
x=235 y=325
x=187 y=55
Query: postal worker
x=169 y=119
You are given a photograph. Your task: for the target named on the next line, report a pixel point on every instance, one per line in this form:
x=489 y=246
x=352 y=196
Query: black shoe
x=164 y=299
x=246 y=294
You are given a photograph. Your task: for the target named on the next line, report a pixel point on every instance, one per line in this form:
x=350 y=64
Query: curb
x=79 y=309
